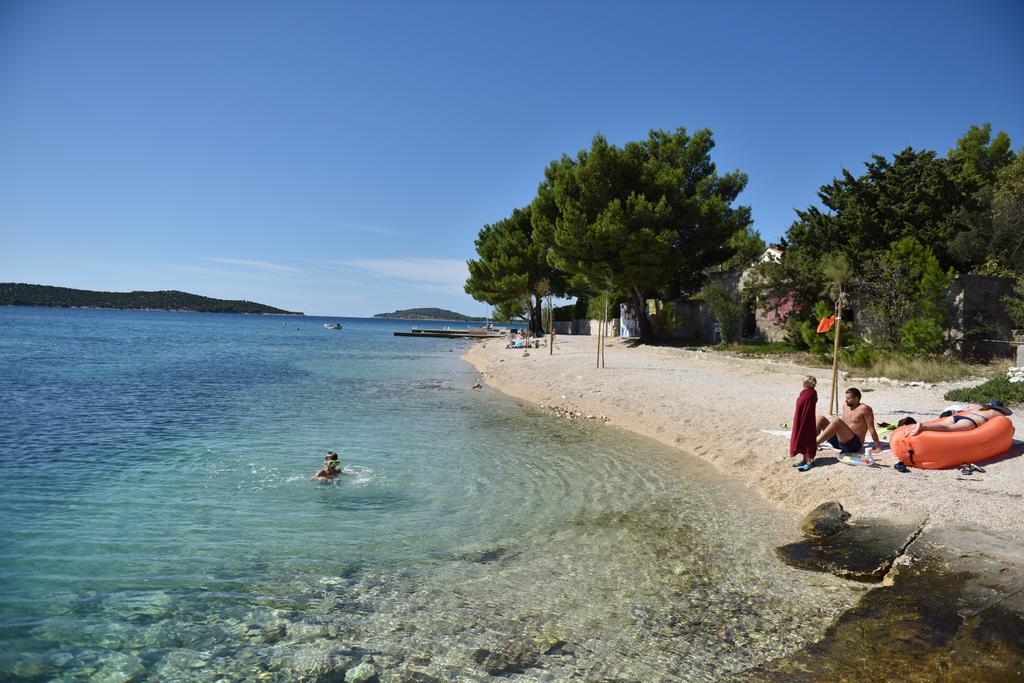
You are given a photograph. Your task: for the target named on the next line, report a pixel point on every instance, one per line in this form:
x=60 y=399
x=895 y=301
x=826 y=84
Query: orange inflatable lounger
x=941 y=450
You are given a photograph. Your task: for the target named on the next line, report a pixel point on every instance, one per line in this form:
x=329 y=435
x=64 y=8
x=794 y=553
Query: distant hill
x=427 y=314
x=16 y=294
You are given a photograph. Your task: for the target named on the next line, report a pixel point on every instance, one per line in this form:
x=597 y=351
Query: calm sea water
x=157 y=521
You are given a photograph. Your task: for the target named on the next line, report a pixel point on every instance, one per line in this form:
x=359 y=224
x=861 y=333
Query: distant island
x=17 y=294
x=428 y=314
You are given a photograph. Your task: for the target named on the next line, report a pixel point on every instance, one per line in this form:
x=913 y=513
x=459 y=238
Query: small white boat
x=332 y=326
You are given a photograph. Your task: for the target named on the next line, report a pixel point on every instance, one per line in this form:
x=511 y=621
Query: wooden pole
x=834 y=398
x=551 y=325
x=604 y=333
x=600 y=332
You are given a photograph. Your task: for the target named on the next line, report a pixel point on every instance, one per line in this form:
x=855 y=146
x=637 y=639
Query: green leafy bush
x=921 y=336
x=793 y=336
x=862 y=355
x=1015 y=303
x=727 y=308
x=999 y=387
x=906 y=286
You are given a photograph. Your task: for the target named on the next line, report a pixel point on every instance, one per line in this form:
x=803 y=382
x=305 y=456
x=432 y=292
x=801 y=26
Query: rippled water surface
x=158 y=522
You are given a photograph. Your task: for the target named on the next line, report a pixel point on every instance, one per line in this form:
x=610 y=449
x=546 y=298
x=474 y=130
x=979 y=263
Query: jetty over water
x=469 y=333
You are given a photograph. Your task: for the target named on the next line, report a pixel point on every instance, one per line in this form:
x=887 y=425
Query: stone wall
x=587 y=327
x=979 y=324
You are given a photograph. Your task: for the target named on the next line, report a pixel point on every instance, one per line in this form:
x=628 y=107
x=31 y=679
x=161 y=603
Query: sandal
x=804 y=466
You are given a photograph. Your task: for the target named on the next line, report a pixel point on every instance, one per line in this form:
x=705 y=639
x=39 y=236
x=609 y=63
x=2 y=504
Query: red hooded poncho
x=805 y=431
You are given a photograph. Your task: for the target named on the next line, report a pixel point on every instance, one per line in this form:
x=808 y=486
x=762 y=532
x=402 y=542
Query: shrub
x=906 y=284
x=999 y=387
x=921 y=336
x=1015 y=303
x=794 y=332
x=727 y=308
x=862 y=355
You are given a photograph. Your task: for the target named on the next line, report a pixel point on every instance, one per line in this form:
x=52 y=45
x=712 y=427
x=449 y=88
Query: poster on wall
x=628 y=324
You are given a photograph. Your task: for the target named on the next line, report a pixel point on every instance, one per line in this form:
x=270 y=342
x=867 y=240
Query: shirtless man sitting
x=847 y=433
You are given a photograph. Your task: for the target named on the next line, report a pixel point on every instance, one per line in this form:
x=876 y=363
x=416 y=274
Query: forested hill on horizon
x=427 y=314
x=18 y=294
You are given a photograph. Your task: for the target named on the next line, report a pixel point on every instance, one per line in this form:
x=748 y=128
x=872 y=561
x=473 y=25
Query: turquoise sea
x=157 y=521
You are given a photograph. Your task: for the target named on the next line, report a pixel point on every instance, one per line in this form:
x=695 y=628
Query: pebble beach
x=730 y=412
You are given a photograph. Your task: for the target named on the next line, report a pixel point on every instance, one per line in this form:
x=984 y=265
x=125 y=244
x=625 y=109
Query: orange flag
x=826 y=324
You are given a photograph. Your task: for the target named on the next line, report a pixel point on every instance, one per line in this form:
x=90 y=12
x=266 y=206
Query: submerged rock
x=953 y=612
x=509 y=659
x=317 y=663
x=362 y=673
x=863 y=552
x=482 y=555
x=825 y=520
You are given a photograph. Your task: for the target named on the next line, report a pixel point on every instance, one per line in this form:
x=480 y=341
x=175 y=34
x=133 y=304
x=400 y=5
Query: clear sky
x=339 y=158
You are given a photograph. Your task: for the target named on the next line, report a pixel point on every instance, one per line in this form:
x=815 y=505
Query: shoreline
x=954 y=587
x=713 y=407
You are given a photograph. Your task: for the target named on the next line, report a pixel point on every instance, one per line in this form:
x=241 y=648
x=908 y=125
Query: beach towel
x=805 y=432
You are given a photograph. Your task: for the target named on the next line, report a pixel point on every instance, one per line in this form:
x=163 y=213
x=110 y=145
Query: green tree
x=648 y=218
x=913 y=195
x=977 y=164
x=748 y=248
x=512 y=268
x=727 y=307
x=1008 y=215
x=796 y=280
x=907 y=285
x=978 y=157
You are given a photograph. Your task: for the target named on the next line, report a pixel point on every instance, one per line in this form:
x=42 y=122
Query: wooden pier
x=478 y=333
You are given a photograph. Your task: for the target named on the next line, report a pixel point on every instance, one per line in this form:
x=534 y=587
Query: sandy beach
x=720 y=409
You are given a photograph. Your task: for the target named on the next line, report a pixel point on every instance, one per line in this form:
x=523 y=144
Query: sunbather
x=962 y=421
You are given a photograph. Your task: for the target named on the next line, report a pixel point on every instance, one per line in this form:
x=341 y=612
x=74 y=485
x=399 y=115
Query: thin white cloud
x=259 y=265
x=449 y=273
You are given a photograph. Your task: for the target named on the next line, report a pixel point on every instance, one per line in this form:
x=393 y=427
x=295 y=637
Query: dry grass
x=928 y=368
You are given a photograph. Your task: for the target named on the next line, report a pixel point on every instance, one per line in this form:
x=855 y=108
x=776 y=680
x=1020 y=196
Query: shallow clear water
x=158 y=522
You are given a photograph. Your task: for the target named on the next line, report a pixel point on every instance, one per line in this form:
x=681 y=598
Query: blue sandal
x=803 y=467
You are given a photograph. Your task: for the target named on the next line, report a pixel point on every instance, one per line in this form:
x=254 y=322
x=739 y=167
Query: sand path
x=714 y=407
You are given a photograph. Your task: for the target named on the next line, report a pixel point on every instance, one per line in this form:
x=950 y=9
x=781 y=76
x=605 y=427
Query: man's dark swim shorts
x=852 y=446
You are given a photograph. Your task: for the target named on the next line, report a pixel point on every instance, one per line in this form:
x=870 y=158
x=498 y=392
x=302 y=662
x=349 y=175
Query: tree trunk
x=537 y=317
x=646 y=331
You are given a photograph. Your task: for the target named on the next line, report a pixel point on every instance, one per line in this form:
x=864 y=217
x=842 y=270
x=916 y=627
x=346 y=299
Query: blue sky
x=339 y=158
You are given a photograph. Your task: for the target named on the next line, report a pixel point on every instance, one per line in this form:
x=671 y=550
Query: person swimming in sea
x=331 y=468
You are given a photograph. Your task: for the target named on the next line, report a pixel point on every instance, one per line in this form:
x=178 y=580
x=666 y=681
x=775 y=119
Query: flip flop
x=900 y=467
x=803 y=467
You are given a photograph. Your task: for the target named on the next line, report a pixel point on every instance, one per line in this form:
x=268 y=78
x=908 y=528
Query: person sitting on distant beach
x=847 y=433
x=331 y=468
x=964 y=420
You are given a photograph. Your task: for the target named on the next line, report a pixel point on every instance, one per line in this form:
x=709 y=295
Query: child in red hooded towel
x=805 y=431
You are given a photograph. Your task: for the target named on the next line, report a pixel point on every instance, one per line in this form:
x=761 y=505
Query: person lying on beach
x=847 y=432
x=331 y=468
x=802 y=440
x=964 y=420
